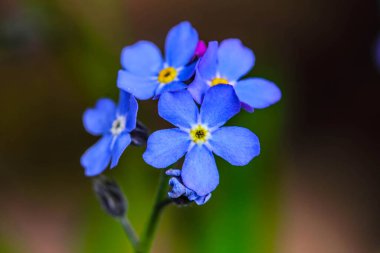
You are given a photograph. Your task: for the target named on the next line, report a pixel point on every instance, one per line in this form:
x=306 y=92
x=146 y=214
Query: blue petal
x=99 y=120
x=198 y=88
x=121 y=143
x=141 y=88
x=258 y=92
x=202 y=199
x=132 y=114
x=173 y=86
x=180 y=44
x=219 y=105
x=142 y=59
x=206 y=71
x=199 y=172
x=165 y=147
x=236 y=145
x=123 y=106
x=187 y=72
x=178 y=108
x=128 y=107
x=235 y=60
x=96 y=159
x=208 y=65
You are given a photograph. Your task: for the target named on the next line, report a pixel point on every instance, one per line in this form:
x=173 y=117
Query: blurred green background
x=314 y=188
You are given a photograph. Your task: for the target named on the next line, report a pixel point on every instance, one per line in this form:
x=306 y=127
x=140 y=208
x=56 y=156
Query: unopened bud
x=140 y=134
x=200 y=49
x=110 y=196
x=180 y=194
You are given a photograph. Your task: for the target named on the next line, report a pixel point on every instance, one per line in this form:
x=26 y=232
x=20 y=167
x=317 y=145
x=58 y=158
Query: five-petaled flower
x=227 y=64
x=145 y=74
x=114 y=123
x=199 y=134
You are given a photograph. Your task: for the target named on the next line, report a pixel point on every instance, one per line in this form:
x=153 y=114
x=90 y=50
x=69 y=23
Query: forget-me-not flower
x=180 y=193
x=114 y=124
x=199 y=134
x=227 y=64
x=146 y=74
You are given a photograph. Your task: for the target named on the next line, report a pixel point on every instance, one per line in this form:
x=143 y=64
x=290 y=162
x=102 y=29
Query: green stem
x=160 y=202
x=130 y=232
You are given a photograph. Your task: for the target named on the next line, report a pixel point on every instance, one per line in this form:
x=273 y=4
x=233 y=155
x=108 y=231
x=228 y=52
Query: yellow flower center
x=218 y=80
x=199 y=134
x=167 y=75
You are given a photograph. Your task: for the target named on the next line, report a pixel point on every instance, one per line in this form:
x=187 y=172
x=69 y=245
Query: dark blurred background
x=314 y=188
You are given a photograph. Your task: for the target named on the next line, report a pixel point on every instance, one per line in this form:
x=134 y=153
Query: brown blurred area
x=322 y=50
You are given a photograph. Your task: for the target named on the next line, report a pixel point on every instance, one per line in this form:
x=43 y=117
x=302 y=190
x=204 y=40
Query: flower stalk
x=130 y=232
x=160 y=202
x=144 y=245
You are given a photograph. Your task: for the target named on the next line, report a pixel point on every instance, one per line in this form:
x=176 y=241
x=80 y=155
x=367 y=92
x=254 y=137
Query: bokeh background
x=314 y=188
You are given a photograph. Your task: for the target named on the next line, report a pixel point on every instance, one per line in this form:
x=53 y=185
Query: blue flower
x=180 y=193
x=227 y=64
x=145 y=74
x=113 y=123
x=199 y=134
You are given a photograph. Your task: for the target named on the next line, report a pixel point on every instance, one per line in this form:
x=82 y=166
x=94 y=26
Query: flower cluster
x=199 y=88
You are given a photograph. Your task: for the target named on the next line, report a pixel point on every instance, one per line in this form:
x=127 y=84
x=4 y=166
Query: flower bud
x=200 y=49
x=110 y=196
x=180 y=194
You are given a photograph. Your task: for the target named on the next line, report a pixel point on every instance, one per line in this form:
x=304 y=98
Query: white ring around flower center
x=118 y=125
